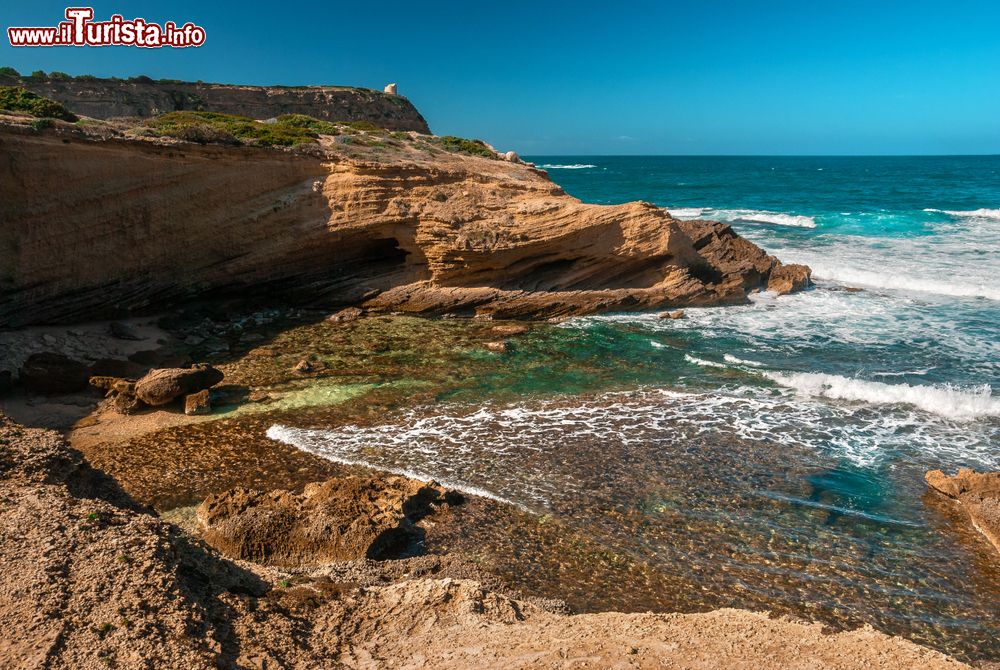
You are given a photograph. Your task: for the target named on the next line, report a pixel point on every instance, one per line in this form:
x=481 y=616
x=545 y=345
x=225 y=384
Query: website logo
x=79 y=30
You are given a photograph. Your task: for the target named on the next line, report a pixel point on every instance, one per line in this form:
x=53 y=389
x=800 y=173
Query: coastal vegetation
x=285 y=130
x=216 y=128
x=204 y=127
x=464 y=146
x=18 y=99
x=294 y=129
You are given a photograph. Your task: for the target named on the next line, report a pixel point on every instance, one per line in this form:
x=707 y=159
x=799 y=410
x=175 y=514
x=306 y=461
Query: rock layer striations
x=98 y=227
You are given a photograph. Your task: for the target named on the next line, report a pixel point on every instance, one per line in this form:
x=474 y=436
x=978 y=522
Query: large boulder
x=979 y=495
x=340 y=519
x=785 y=279
x=51 y=373
x=163 y=386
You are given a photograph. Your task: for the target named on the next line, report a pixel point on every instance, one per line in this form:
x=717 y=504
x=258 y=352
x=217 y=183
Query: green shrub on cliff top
x=309 y=123
x=464 y=146
x=7 y=71
x=329 y=127
x=17 y=99
x=216 y=128
x=213 y=127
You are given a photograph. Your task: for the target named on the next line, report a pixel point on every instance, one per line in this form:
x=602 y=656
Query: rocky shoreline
x=91 y=579
x=162 y=526
x=324 y=550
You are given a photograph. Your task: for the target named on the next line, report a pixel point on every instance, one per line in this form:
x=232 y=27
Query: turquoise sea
x=770 y=454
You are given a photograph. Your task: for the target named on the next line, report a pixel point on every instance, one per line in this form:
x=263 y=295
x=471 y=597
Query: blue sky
x=706 y=77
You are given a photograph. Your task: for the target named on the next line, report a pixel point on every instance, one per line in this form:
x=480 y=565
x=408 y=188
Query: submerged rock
x=163 y=386
x=498 y=347
x=507 y=330
x=305 y=366
x=979 y=495
x=346 y=315
x=677 y=314
x=339 y=519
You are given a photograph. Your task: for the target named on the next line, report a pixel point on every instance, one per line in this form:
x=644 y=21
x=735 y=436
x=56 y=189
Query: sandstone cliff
x=141 y=96
x=96 y=226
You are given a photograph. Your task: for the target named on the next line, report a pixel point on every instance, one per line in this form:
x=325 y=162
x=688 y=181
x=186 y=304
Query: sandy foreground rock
x=91 y=581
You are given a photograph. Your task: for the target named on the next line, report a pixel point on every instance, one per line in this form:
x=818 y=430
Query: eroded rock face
x=406 y=230
x=979 y=495
x=160 y=387
x=339 y=519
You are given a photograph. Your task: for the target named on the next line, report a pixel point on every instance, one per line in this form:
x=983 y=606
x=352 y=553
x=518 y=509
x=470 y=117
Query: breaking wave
x=952 y=402
x=685 y=212
x=573 y=166
x=526 y=453
x=729 y=358
x=900 y=282
x=318 y=442
x=982 y=213
x=746 y=215
x=702 y=362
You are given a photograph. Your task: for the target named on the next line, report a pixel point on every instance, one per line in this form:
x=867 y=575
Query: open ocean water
x=771 y=453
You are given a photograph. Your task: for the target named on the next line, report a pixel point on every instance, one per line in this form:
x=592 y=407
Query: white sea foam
x=540 y=453
x=702 y=362
x=685 y=212
x=982 y=213
x=657 y=345
x=574 y=166
x=317 y=442
x=782 y=328
x=960 y=404
x=886 y=278
x=903 y=373
x=729 y=358
x=776 y=218
x=747 y=215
